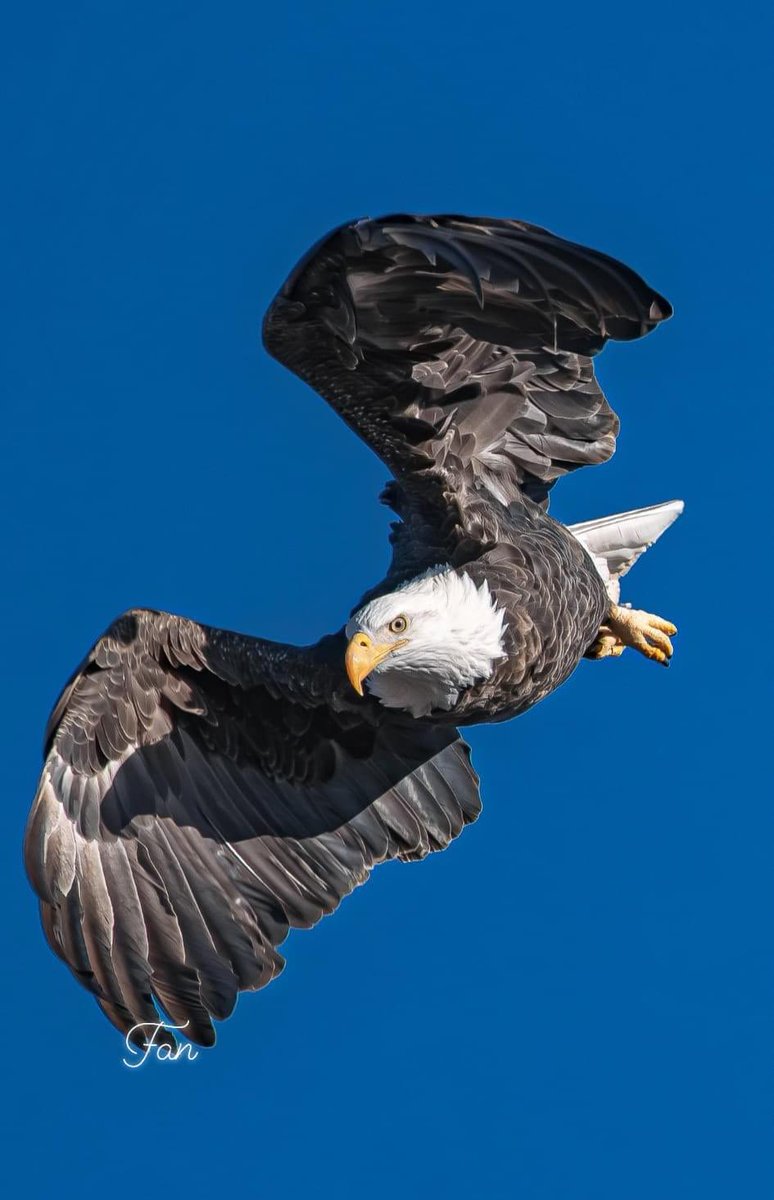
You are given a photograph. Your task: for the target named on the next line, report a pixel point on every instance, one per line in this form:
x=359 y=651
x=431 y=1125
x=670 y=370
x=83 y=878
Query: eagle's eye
x=398 y=625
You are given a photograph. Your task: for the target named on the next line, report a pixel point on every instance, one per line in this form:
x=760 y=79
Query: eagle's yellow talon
x=606 y=645
x=643 y=631
x=662 y=625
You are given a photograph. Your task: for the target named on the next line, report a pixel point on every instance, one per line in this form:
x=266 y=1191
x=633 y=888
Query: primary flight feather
x=204 y=791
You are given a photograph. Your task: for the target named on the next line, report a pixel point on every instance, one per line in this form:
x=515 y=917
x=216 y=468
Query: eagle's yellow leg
x=629 y=627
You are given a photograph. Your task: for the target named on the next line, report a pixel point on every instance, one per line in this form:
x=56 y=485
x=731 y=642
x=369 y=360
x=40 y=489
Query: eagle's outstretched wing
x=460 y=350
x=205 y=791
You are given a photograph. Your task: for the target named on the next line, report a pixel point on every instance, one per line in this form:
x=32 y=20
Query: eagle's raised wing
x=205 y=791
x=460 y=349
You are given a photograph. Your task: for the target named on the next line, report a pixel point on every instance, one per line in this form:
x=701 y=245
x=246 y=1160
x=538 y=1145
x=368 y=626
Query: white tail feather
x=615 y=543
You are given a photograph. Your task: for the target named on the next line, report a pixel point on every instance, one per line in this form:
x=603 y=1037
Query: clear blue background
x=576 y=1000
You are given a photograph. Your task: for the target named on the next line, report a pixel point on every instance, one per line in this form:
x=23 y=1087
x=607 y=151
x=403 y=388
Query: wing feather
x=203 y=793
x=461 y=350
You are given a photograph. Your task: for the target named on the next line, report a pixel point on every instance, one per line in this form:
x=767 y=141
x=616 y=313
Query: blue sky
x=575 y=1000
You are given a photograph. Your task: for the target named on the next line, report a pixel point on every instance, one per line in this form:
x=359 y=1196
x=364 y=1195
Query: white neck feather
x=454 y=637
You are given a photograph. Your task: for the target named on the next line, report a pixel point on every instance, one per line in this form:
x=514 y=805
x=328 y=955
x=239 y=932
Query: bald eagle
x=205 y=791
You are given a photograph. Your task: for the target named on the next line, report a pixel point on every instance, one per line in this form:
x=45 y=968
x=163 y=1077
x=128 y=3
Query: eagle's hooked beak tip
x=363 y=655
x=359 y=660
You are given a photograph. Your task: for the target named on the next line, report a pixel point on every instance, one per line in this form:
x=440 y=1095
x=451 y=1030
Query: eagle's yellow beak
x=363 y=655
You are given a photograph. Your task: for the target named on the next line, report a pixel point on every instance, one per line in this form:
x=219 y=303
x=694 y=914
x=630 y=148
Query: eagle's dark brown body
x=553 y=598
x=555 y=603
x=205 y=791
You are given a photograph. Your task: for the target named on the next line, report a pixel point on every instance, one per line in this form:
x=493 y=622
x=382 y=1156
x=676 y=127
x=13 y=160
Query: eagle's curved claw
x=643 y=631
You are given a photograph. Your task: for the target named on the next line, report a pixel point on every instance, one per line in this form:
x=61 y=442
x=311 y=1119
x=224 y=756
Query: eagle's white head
x=422 y=644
